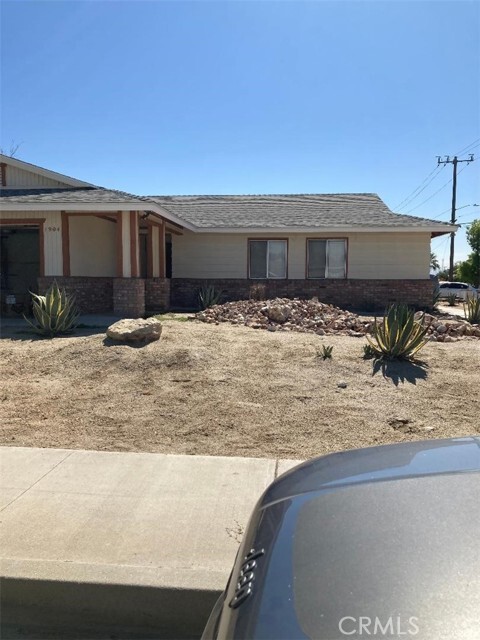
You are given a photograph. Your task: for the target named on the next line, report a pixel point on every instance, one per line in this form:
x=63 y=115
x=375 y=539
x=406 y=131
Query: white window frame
x=327 y=241
x=268 y=240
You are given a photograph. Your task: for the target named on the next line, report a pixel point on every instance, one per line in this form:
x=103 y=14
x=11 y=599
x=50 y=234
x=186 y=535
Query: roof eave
x=96 y=207
x=434 y=230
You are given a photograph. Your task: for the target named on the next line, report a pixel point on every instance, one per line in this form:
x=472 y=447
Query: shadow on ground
x=401 y=371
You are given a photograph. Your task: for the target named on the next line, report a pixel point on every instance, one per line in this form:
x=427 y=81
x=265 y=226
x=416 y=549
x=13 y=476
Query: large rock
x=138 y=330
x=279 y=313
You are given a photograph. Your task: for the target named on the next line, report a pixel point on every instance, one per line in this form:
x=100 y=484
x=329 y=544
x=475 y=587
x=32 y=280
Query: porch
x=114 y=262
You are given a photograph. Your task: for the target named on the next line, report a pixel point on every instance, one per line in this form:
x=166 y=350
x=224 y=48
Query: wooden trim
x=174 y=224
x=150 y=251
x=18 y=222
x=174 y=231
x=65 y=243
x=133 y=244
x=161 y=251
x=3 y=172
x=41 y=239
x=105 y=217
x=249 y=240
x=344 y=238
x=37 y=222
x=119 y=245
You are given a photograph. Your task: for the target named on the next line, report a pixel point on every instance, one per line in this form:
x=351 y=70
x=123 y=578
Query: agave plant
x=451 y=299
x=55 y=312
x=399 y=336
x=326 y=352
x=209 y=296
x=471 y=310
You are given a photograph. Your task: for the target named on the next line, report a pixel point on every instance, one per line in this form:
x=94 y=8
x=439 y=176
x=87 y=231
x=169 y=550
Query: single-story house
x=132 y=255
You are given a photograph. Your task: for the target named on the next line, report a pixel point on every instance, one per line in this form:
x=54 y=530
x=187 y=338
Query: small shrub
x=208 y=296
x=326 y=352
x=55 y=312
x=471 y=310
x=368 y=352
x=258 y=291
x=399 y=336
x=451 y=299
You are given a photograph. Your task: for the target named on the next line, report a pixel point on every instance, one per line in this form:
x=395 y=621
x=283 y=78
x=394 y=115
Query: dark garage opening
x=19 y=267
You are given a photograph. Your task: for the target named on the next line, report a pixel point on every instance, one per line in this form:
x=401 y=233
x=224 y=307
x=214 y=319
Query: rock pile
x=283 y=314
x=449 y=328
x=312 y=316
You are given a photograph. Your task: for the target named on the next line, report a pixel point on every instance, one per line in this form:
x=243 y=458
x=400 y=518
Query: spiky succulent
x=55 y=312
x=398 y=336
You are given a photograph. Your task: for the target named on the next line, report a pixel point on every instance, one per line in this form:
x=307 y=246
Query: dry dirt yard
x=230 y=390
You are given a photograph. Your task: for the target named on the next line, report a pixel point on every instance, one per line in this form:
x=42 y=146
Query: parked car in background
x=461 y=289
x=379 y=542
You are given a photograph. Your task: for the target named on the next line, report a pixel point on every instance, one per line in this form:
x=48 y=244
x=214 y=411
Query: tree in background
x=473 y=238
x=469 y=269
x=434 y=264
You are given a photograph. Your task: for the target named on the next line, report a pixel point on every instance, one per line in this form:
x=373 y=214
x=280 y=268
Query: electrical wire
x=437 y=191
x=430 y=178
x=414 y=193
x=450 y=209
x=468 y=146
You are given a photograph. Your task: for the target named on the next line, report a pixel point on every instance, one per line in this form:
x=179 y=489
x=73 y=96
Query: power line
x=419 y=189
x=435 y=192
x=468 y=146
x=454 y=163
x=449 y=210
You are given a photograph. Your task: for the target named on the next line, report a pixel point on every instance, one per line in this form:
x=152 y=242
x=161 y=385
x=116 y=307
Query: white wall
x=92 y=246
x=21 y=179
x=370 y=255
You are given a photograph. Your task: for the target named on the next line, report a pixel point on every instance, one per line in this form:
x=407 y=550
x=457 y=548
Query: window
x=326 y=259
x=267 y=259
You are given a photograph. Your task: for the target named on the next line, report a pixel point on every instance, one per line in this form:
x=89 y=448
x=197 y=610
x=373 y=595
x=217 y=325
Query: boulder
x=278 y=313
x=138 y=330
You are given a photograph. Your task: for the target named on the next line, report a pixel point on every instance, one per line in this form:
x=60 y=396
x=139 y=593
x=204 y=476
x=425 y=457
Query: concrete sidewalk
x=131 y=544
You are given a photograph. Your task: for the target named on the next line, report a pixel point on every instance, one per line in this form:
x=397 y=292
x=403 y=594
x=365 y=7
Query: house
x=132 y=255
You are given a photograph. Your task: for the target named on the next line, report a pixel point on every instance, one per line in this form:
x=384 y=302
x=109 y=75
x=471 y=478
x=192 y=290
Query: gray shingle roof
x=354 y=210
x=68 y=195
x=289 y=211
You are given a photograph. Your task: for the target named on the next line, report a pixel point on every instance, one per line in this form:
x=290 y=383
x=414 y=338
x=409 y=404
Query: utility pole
x=455 y=162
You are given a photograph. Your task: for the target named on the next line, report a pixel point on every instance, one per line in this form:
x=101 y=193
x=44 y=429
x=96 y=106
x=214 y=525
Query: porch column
x=161 y=250
x=128 y=254
x=134 y=245
x=65 y=244
x=156 y=231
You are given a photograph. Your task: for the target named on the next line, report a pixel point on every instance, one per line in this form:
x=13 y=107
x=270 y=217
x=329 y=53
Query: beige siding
x=370 y=255
x=21 y=179
x=52 y=228
x=92 y=246
x=389 y=255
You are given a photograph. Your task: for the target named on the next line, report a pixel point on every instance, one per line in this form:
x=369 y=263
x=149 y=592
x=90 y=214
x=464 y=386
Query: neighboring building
x=130 y=255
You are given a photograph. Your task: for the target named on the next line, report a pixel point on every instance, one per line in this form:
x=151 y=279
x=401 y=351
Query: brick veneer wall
x=129 y=297
x=344 y=293
x=157 y=295
x=93 y=295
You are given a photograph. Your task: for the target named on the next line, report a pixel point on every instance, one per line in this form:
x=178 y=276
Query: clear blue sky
x=247 y=97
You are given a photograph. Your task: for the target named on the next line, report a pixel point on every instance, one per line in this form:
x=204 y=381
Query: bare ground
x=230 y=390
